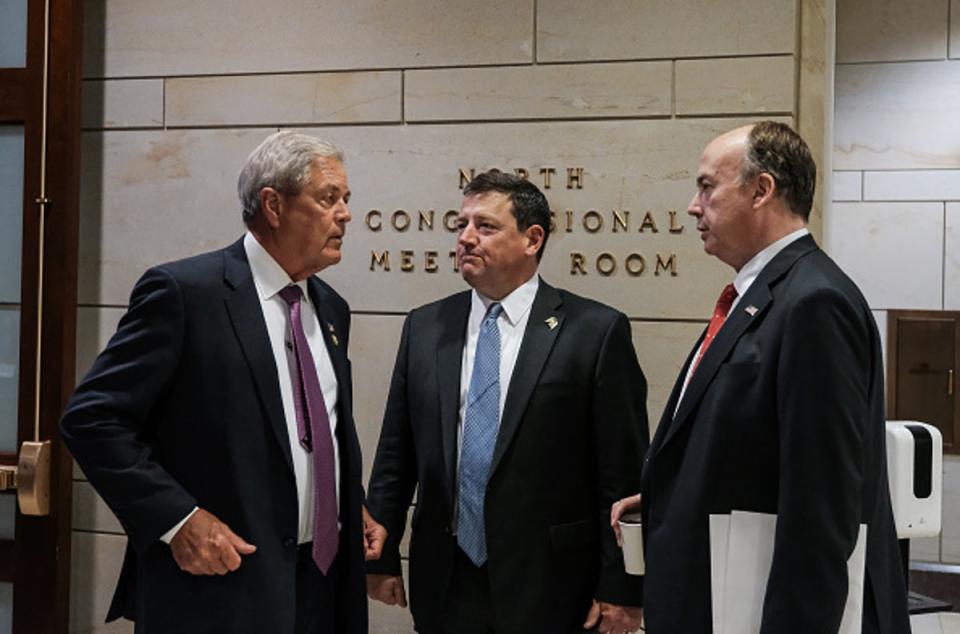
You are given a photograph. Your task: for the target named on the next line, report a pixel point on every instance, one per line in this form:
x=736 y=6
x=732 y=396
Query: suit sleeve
x=823 y=408
x=621 y=440
x=106 y=424
x=394 y=475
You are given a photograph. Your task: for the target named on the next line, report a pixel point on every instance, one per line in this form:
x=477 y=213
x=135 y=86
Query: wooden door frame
x=40 y=562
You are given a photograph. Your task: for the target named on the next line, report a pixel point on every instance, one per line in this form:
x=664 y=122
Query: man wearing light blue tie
x=517 y=410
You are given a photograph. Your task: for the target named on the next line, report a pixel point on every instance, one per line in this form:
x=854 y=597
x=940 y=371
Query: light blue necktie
x=480 y=424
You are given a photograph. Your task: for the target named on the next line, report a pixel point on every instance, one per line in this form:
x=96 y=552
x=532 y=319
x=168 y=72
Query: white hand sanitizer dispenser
x=915 y=470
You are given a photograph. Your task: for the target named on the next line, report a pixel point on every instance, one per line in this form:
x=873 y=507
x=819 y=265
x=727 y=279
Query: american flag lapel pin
x=751 y=310
x=551 y=322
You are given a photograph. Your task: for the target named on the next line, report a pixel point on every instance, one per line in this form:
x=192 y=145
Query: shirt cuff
x=167 y=537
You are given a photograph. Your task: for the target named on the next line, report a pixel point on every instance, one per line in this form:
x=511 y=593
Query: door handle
x=30 y=477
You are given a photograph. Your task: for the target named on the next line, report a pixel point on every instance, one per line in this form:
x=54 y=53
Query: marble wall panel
x=885 y=248
x=182 y=37
x=568 y=30
x=638 y=89
x=301 y=99
x=743 y=85
x=373 y=349
x=925 y=549
x=954 y=47
x=129 y=103
x=891 y=31
x=91 y=513
x=912 y=185
x=897 y=116
x=951 y=259
x=95 y=564
x=662 y=348
x=151 y=196
x=847 y=186
x=95 y=326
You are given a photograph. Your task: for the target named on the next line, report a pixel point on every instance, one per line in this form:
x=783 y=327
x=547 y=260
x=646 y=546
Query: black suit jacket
x=784 y=415
x=183 y=408
x=572 y=435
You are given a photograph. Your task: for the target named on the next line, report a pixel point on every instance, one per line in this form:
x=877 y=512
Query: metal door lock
x=31 y=478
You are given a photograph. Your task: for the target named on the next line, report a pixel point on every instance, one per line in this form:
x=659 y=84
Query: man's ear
x=535 y=237
x=271 y=203
x=764 y=190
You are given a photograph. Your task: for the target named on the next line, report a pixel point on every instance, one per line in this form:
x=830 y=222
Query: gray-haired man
x=217 y=422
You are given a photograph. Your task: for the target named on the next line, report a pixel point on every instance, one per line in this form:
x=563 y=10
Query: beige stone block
x=897 y=116
x=743 y=85
x=182 y=37
x=662 y=348
x=886 y=249
x=128 y=103
x=153 y=196
x=891 y=30
x=392 y=619
x=912 y=185
x=951 y=259
x=91 y=513
x=640 y=89
x=847 y=186
x=302 y=99
x=568 y=30
x=95 y=565
x=374 y=340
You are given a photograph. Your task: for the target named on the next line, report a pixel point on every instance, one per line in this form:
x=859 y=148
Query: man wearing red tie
x=778 y=410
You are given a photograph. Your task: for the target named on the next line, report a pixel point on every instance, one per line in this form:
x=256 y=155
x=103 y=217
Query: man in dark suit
x=518 y=412
x=779 y=410
x=217 y=422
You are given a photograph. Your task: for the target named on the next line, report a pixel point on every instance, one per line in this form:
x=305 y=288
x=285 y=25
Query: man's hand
x=387 y=589
x=625 y=505
x=374 y=537
x=206 y=546
x=612 y=619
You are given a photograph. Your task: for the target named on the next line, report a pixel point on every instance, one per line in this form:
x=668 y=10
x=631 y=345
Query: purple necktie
x=313 y=429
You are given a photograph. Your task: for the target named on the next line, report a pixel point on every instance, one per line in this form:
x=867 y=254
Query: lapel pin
x=551 y=322
x=333 y=335
x=751 y=310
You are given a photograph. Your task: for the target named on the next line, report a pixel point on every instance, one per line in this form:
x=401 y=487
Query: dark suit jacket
x=572 y=435
x=183 y=408
x=784 y=415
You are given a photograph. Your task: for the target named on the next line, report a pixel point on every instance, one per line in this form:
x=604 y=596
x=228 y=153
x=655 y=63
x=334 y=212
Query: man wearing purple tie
x=217 y=423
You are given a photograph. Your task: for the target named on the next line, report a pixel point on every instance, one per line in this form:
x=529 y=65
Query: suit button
x=289 y=541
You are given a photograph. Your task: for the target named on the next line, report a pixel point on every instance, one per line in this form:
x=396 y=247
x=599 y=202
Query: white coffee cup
x=632 y=531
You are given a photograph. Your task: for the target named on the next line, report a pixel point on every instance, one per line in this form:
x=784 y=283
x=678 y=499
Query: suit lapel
x=538 y=340
x=453 y=333
x=750 y=308
x=246 y=315
x=334 y=336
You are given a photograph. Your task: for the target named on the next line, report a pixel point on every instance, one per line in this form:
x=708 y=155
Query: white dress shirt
x=747 y=274
x=269 y=279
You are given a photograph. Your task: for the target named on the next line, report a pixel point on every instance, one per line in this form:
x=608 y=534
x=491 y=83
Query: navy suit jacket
x=183 y=408
x=784 y=415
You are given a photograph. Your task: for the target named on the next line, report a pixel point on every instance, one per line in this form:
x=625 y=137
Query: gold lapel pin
x=333 y=335
x=551 y=322
x=751 y=310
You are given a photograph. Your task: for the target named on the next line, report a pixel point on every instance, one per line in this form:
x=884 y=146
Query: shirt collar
x=750 y=271
x=268 y=276
x=515 y=305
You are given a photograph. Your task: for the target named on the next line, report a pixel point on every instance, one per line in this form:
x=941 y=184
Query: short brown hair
x=529 y=205
x=775 y=148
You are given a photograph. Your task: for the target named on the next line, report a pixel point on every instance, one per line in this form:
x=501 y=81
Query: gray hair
x=282 y=162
